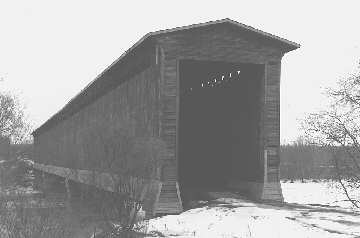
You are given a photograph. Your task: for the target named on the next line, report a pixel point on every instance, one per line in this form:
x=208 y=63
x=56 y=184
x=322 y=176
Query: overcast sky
x=50 y=50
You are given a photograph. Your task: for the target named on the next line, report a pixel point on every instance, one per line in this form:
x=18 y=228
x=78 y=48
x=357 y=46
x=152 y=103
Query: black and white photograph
x=204 y=119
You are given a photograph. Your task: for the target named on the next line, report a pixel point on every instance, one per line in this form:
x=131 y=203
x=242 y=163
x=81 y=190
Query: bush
x=19 y=220
x=134 y=162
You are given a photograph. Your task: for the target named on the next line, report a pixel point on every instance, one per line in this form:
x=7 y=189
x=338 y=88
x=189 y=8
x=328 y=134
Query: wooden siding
x=132 y=107
x=272 y=119
x=77 y=142
x=271 y=123
x=220 y=44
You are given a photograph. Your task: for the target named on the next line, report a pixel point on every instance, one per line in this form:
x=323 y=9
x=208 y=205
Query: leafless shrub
x=19 y=220
x=338 y=130
x=133 y=162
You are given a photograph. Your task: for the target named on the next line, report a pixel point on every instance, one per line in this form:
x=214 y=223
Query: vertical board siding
x=130 y=106
x=168 y=99
x=272 y=119
x=169 y=199
x=76 y=142
x=272 y=190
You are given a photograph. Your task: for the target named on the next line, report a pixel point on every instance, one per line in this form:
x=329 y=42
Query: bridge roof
x=62 y=113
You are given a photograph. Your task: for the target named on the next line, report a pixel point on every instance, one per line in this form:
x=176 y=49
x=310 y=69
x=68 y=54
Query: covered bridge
x=204 y=98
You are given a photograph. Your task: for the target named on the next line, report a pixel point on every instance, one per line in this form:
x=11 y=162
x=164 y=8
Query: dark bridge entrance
x=218 y=124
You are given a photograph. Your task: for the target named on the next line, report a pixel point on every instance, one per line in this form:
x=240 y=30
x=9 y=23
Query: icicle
x=222 y=78
x=238 y=72
x=230 y=75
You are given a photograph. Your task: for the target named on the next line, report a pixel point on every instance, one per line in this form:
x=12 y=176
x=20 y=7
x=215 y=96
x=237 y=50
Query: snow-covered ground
x=323 y=192
x=236 y=217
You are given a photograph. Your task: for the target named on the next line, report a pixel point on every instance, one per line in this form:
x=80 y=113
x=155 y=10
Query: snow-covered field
x=323 y=192
x=236 y=217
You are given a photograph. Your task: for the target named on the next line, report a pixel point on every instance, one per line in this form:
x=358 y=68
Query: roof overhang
x=288 y=46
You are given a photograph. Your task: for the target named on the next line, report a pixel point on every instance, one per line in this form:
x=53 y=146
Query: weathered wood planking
x=130 y=107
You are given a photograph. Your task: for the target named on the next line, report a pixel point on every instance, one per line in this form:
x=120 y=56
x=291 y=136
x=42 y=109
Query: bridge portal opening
x=219 y=121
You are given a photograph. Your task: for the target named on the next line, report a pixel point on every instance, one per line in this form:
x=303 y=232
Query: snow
x=245 y=219
x=237 y=217
x=323 y=192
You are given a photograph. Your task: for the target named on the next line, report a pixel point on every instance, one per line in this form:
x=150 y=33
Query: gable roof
x=289 y=45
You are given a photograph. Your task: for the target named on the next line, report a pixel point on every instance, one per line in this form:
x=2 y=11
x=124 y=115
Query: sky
x=50 y=50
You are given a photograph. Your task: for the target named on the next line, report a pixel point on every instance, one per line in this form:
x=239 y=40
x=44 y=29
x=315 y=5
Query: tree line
x=305 y=161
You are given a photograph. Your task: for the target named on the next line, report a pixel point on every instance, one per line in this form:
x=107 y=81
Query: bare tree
x=13 y=124
x=338 y=129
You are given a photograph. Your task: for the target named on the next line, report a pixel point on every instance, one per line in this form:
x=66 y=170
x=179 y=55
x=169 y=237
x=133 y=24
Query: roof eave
x=288 y=46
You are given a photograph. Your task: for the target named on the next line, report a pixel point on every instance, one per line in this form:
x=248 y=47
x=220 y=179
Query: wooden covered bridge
x=200 y=102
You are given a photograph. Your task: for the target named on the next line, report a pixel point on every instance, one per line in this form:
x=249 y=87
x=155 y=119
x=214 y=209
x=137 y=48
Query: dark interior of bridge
x=219 y=115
